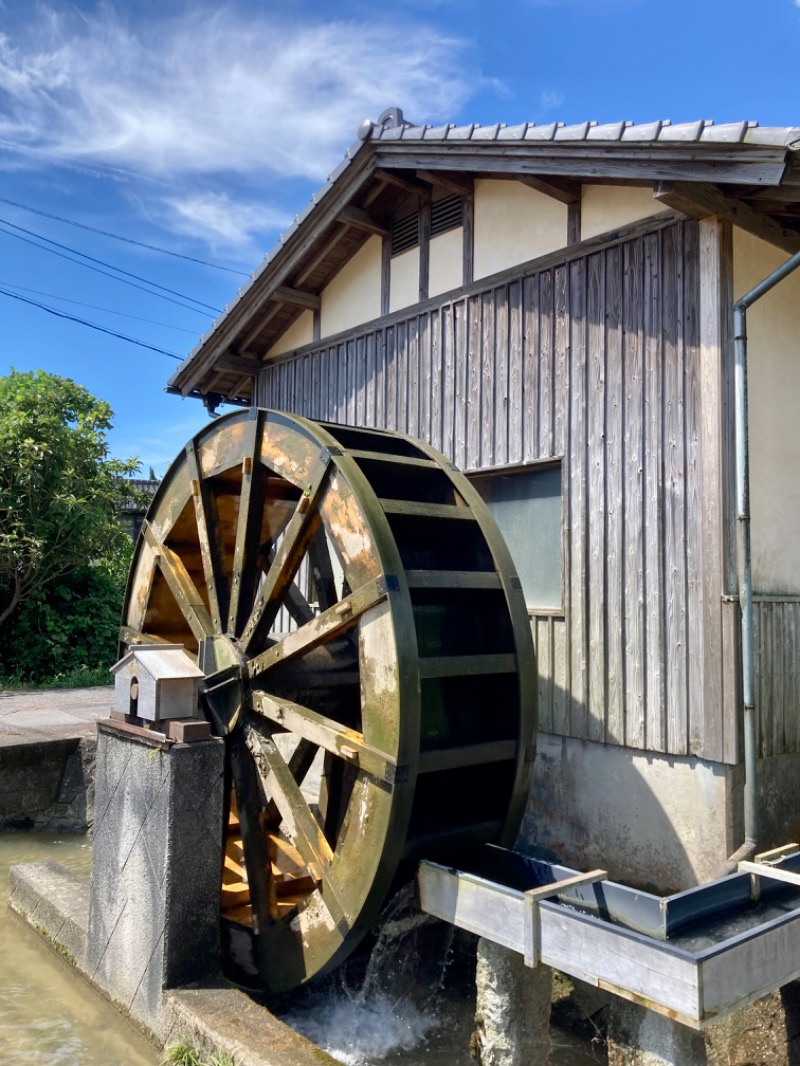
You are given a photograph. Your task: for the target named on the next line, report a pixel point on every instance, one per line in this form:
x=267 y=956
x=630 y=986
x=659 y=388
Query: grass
x=183 y=1054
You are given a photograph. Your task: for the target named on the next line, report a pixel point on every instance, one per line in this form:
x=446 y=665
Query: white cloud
x=551 y=99
x=217 y=90
x=220 y=220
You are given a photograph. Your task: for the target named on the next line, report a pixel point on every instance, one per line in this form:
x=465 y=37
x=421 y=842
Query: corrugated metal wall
x=596 y=360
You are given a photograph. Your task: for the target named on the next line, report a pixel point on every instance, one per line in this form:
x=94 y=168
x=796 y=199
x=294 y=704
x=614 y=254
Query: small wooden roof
x=742 y=171
x=163 y=662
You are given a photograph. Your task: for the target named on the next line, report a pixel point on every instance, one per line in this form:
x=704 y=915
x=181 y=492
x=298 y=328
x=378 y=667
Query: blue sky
x=203 y=129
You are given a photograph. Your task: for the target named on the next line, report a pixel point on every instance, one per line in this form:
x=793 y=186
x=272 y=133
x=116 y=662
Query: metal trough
x=696 y=956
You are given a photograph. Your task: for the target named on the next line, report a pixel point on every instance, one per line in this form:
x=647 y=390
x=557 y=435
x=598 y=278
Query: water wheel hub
x=222 y=691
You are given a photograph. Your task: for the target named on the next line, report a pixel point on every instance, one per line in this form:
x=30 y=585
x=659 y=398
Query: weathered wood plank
x=596 y=498
x=425 y=377
x=675 y=577
x=655 y=728
x=712 y=267
x=461 y=366
x=634 y=443
x=391 y=378
x=544 y=398
x=516 y=391
x=401 y=335
x=413 y=377
x=614 y=602
x=436 y=380
x=487 y=381
x=561 y=360
x=531 y=356
x=559 y=687
x=501 y=376
x=578 y=500
x=475 y=320
x=448 y=381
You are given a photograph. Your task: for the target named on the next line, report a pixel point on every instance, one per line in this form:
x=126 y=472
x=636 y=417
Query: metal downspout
x=744 y=557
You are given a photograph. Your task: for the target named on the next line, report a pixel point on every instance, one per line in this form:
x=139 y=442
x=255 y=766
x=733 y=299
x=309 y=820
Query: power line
x=97 y=270
x=102 y=262
x=91 y=325
x=119 y=237
x=94 y=307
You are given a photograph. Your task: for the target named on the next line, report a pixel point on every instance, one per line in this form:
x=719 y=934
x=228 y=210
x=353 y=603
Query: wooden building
x=551 y=306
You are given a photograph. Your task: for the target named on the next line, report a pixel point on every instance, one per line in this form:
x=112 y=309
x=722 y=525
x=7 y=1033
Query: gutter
x=744 y=557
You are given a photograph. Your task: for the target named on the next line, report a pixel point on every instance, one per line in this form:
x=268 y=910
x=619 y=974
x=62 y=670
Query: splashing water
x=365 y=1015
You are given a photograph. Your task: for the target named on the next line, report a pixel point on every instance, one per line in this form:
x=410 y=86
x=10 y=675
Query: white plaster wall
x=514 y=223
x=354 y=295
x=773 y=330
x=606 y=207
x=299 y=333
x=404 y=280
x=659 y=822
x=446 y=269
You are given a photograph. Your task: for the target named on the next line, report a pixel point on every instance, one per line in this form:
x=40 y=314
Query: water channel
x=50 y=1017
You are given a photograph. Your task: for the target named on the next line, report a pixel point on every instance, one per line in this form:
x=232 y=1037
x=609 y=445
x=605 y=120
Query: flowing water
x=409 y=1004
x=49 y=1016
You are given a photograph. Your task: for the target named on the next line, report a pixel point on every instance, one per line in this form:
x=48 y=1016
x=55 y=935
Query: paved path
x=57 y=714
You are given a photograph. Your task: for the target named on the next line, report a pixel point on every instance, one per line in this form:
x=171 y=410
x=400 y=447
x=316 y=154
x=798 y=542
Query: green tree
x=60 y=491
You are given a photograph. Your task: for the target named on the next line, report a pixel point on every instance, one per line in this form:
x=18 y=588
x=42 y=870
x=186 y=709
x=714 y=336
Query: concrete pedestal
x=512 y=1015
x=157 y=854
x=765 y=1033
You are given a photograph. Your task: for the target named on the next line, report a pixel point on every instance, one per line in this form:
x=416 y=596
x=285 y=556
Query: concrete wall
x=514 y=223
x=605 y=207
x=299 y=333
x=446 y=269
x=404 y=280
x=354 y=295
x=657 y=822
x=773 y=329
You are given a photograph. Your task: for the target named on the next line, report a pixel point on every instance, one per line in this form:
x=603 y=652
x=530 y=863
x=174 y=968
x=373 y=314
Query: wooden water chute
x=367 y=655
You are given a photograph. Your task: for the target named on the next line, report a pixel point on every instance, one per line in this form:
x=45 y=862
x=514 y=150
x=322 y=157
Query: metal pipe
x=744 y=556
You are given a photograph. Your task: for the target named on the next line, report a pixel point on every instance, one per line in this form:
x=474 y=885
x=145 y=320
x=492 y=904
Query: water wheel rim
x=217 y=613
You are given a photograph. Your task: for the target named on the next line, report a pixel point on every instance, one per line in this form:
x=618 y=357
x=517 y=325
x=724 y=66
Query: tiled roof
x=660 y=132
x=392 y=127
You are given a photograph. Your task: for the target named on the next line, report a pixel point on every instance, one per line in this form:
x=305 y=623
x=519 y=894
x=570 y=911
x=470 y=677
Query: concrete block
x=187 y=732
x=157 y=852
x=640 y=1037
x=47 y=784
x=512 y=1013
x=55 y=902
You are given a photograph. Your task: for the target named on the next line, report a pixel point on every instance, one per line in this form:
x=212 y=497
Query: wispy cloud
x=219 y=90
x=551 y=99
x=220 y=219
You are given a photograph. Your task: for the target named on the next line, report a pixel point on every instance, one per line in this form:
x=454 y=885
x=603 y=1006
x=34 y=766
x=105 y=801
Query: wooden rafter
x=561 y=189
x=297 y=298
x=701 y=200
x=325 y=250
x=453 y=183
x=355 y=216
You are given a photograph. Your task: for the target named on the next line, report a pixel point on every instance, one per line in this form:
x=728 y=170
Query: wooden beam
x=237 y=364
x=445 y=180
x=354 y=216
x=323 y=253
x=703 y=200
x=561 y=189
x=372 y=195
x=574 y=222
x=399 y=181
x=297 y=297
x=243 y=345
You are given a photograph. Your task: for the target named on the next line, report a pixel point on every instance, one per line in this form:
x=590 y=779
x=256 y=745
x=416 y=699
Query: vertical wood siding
x=595 y=360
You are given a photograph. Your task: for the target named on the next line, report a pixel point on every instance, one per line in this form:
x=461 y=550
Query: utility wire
x=97 y=270
x=91 y=325
x=94 y=307
x=102 y=262
x=119 y=237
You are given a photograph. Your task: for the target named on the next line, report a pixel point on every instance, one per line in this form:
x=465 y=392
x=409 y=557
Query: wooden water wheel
x=366 y=654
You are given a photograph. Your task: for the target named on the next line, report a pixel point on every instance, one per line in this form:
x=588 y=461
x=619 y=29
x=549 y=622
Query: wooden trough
x=695 y=957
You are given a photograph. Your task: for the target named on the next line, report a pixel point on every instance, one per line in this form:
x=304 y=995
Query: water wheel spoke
x=299 y=531
x=209 y=535
x=297 y=820
x=299 y=764
x=180 y=584
x=319 y=558
x=128 y=635
x=249 y=805
x=322 y=628
x=294 y=601
x=248 y=530
x=323 y=732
